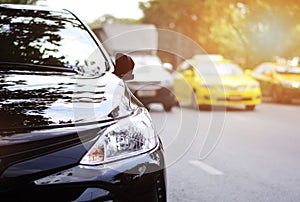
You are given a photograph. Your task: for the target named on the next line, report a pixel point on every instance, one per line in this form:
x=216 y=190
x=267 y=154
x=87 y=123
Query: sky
x=89 y=10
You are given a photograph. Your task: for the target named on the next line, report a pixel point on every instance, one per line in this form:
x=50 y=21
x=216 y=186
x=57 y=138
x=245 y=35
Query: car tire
x=147 y=107
x=205 y=107
x=250 y=107
x=194 y=103
x=167 y=107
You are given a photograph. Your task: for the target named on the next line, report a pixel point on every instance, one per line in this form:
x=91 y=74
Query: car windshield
x=146 y=60
x=151 y=73
x=228 y=69
x=219 y=68
x=149 y=68
x=287 y=70
x=48 y=38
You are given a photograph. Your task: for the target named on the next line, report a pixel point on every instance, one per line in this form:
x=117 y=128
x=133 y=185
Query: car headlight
x=295 y=84
x=292 y=84
x=128 y=137
x=254 y=85
x=286 y=83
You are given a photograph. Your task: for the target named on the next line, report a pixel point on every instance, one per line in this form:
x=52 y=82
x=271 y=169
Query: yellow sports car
x=212 y=80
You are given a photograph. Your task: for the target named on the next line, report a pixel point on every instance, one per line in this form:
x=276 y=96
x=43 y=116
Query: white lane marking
x=205 y=167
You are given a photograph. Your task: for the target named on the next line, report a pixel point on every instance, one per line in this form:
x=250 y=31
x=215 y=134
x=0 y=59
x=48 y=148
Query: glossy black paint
x=119 y=181
x=34 y=98
x=53 y=105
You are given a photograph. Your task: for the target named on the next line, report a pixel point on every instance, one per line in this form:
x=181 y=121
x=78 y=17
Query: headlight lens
x=128 y=137
x=292 y=84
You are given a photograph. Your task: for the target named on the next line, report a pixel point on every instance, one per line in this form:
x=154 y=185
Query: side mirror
x=124 y=66
x=248 y=72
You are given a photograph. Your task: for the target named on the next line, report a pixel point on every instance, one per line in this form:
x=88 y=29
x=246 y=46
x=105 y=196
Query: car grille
x=235 y=99
x=236 y=88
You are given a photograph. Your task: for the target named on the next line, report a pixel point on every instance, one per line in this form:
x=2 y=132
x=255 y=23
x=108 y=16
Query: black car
x=70 y=129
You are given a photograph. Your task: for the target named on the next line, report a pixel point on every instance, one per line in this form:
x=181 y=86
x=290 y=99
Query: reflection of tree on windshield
x=22 y=38
x=43 y=38
x=38 y=43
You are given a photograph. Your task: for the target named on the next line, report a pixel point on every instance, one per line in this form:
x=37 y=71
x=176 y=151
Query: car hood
x=47 y=99
x=289 y=77
x=230 y=81
x=237 y=80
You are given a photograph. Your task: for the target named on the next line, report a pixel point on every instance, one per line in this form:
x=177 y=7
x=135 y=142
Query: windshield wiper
x=36 y=67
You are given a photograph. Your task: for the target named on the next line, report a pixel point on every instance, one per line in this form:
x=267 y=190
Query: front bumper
x=139 y=178
x=161 y=95
x=229 y=98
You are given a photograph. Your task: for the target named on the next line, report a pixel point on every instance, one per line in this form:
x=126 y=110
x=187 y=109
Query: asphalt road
x=231 y=155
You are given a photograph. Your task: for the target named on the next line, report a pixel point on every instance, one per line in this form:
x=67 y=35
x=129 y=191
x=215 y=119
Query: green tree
x=180 y=16
x=254 y=31
x=272 y=29
x=177 y=15
x=247 y=31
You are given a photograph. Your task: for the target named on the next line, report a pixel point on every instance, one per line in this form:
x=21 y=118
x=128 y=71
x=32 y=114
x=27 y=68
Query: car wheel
x=167 y=107
x=275 y=95
x=205 y=107
x=194 y=103
x=147 y=107
x=250 y=107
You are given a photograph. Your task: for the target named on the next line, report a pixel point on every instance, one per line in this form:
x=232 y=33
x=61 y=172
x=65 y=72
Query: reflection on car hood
x=30 y=99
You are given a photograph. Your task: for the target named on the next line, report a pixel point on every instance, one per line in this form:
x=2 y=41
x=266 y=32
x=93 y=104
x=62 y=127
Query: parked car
x=152 y=82
x=70 y=129
x=281 y=82
x=207 y=80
